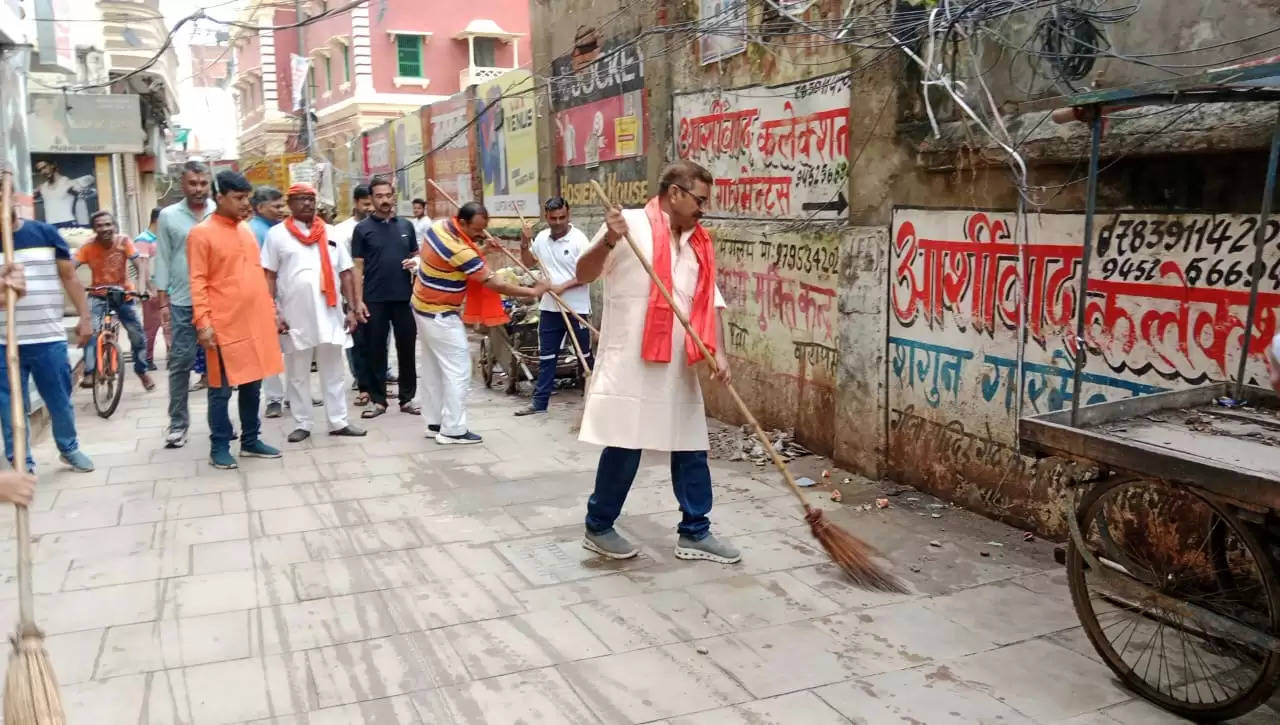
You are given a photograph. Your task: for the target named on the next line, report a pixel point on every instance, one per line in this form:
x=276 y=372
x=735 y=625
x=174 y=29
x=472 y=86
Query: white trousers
x=273 y=388
x=331 y=364
x=445 y=359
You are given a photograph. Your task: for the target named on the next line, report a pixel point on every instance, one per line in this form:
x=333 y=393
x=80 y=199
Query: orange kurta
x=229 y=292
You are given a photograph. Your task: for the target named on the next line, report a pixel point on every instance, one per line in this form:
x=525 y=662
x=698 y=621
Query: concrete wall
x=885 y=300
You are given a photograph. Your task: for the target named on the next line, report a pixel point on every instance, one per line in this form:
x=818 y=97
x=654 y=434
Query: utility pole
x=306 y=81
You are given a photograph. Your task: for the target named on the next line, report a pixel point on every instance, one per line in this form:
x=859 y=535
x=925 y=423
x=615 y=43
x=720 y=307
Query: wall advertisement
x=508 y=144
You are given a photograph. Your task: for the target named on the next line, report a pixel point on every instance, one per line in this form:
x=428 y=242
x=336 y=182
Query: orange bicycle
x=108 y=371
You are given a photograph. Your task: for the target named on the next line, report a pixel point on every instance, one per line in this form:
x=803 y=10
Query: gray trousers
x=181 y=357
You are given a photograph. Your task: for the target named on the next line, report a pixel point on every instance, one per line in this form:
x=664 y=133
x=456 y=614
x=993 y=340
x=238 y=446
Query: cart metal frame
x=1252 y=495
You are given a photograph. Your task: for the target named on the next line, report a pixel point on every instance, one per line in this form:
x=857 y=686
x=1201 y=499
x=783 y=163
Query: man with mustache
x=172 y=284
x=385 y=248
x=645 y=392
x=308 y=275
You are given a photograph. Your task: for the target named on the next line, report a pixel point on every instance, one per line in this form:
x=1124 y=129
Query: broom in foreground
x=852 y=554
x=30 y=689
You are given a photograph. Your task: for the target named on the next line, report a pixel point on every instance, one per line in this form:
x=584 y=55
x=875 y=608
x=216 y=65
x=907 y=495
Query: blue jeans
x=551 y=333
x=181 y=356
x=47 y=363
x=690 y=478
x=248 y=395
x=132 y=322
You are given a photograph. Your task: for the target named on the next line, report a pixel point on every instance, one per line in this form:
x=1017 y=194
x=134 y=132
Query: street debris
x=882 y=503
x=741 y=444
x=984 y=553
x=1028 y=536
x=805 y=482
x=936 y=544
x=915 y=568
x=835 y=495
x=936 y=516
x=993 y=543
x=702 y=650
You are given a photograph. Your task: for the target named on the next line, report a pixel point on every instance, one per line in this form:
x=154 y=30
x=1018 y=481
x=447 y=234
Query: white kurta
x=633 y=403
x=299 y=298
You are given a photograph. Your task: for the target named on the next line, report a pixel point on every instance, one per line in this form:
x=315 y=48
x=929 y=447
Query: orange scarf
x=482 y=305
x=318 y=235
x=659 y=321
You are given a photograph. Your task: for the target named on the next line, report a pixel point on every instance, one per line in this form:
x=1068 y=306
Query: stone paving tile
x=74 y=654
x=1005 y=612
x=751 y=602
x=647 y=620
x=462 y=600
x=320 y=623
x=787 y=658
x=1019 y=676
x=141 y=567
x=481 y=526
x=797 y=708
x=495 y=647
x=558 y=559
x=654 y=683
x=75 y=518
x=147 y=510
x=377 y=668
x=536 y=696
x=398 y=710
x=926 y=695
x=105 y=701
x=163 y=644
x=246 y=689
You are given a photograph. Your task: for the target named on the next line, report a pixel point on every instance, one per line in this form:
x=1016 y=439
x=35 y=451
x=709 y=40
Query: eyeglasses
x=702 y=200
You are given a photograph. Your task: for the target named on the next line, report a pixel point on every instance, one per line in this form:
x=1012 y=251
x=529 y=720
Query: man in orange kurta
x=234 y=317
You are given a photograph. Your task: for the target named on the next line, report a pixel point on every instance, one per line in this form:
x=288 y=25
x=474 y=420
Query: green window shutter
x=346 y=63
x=328 y=74
x=409 y=56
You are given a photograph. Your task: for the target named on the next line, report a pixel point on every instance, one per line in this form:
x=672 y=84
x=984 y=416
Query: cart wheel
x=486 y=363
x=1196 y=551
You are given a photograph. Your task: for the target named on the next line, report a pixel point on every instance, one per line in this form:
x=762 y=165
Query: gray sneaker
x=609 y=543
x=708 y=548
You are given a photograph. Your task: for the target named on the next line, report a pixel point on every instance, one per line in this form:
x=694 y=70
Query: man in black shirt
x=385 y=249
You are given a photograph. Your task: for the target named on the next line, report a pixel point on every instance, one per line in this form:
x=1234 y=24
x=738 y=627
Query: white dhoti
x=331 y=364
x=633 y=403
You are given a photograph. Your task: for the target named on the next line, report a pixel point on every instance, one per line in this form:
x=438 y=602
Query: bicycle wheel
x=108 y=380
x=1176 y=541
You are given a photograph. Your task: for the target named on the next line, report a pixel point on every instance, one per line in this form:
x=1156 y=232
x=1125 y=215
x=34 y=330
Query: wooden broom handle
x=706 y=355
x=17 y=412
x=518 y=263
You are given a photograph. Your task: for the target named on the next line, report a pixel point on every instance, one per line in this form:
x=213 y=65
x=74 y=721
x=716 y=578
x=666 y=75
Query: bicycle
x=108 y=370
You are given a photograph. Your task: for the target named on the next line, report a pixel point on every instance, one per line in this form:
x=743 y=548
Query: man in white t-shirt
x=309 y=275
x=556 y=249
x=421 y=222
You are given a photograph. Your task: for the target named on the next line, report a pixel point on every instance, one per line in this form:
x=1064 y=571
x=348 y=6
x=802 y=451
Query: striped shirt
x=38 y=247
x=446 y=259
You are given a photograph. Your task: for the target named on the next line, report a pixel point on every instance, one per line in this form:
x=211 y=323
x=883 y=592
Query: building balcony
x=474 y=75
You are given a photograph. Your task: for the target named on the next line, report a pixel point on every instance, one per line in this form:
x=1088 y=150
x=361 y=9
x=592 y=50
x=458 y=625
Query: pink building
x=369 y=64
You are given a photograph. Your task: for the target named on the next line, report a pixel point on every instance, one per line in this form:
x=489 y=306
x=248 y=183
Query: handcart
x=1174 y=496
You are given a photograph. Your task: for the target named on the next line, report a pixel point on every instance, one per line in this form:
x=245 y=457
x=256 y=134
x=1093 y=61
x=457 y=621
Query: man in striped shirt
x=42 y=342
x=450 y=267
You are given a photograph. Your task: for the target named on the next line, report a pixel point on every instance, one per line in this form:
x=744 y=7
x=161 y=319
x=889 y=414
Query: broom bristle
x=852 y=555
x=31 y=689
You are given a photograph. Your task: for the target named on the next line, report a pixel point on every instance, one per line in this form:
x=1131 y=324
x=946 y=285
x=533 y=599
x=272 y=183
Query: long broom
x=30 y=690
x=564 y=310
x=849 y=552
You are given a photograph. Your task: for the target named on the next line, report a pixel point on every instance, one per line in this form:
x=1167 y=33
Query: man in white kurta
x=634 y=404
x=312 y=322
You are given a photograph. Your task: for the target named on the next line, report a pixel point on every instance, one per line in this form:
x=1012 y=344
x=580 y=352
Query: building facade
x=366 y=65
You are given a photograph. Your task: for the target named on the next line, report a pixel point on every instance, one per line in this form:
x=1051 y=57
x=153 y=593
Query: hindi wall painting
x=1166 y=309
x=777 y=152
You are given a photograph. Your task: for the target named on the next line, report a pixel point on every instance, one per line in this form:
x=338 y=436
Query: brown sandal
x=361 y=400
x=411 y=409
x=374 y=412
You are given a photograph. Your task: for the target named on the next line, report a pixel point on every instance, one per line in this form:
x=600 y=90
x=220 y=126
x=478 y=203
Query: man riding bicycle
x=108 y=257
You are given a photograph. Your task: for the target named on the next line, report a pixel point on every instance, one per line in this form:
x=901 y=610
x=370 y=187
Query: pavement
x=390 y=581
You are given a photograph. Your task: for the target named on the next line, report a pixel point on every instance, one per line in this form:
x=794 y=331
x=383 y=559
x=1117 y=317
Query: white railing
x=473 y=75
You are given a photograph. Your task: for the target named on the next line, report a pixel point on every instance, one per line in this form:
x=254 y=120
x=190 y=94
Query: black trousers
x=396 y=317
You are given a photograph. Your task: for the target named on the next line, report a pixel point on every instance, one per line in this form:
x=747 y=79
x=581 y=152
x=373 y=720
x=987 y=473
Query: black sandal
x=374 y=412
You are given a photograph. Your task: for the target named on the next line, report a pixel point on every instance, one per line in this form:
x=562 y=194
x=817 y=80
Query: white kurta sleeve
x=270 y=253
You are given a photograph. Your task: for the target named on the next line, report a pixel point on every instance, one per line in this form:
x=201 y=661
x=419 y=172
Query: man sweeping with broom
x=644 y=392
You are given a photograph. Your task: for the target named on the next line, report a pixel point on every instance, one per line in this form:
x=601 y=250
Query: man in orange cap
x=308 y=274
x=234 y=317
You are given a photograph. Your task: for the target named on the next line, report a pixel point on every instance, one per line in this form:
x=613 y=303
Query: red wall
x=443 y=56
x=317 y=37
